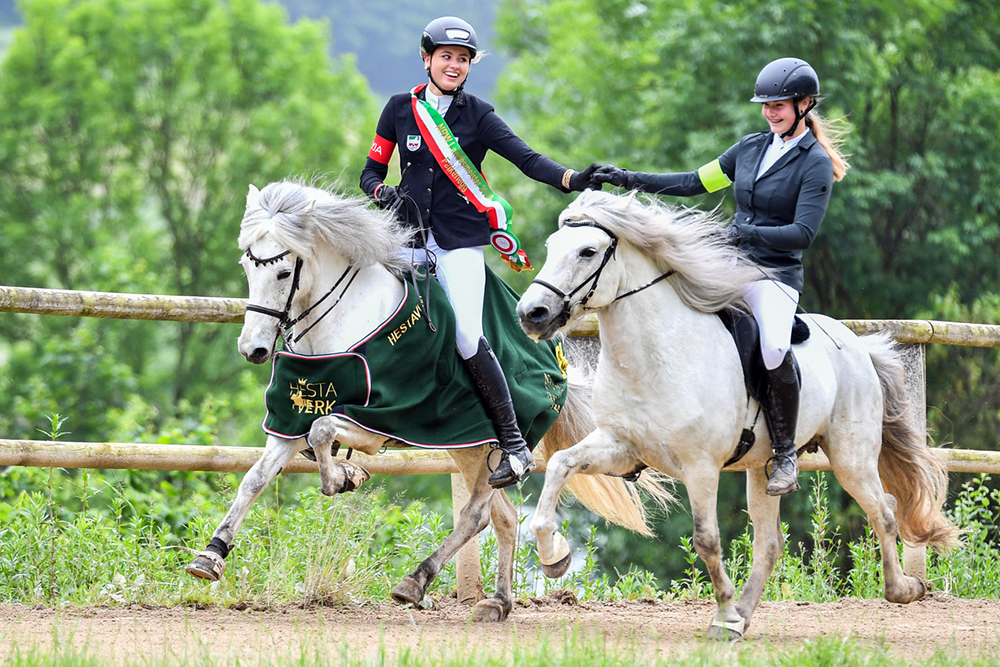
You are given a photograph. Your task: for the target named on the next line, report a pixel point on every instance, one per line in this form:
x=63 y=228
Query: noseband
x=285 y=321
x=594 y=277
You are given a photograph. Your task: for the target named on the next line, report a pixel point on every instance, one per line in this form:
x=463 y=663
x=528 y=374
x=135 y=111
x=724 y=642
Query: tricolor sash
x=469 y=181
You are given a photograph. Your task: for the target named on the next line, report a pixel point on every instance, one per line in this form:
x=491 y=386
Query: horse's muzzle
x=540 y=321
x=258 y=355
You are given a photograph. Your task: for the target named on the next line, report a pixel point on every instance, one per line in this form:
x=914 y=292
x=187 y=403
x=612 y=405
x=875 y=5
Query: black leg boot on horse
x=782 y=415
x=515 y=457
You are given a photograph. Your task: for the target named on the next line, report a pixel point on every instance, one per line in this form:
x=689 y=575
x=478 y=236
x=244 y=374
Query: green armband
x=712 y=176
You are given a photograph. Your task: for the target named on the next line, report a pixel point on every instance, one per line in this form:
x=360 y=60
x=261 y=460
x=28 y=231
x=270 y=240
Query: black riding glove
x=738 y=234
x=613 y=175
x=386 y=196
x=581 y=180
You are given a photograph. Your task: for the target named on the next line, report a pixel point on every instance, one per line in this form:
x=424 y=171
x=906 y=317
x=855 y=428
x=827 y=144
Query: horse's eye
x=587 y=253
x=284 y=273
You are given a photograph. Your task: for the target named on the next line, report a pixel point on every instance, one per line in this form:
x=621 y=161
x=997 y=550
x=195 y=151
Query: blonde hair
x=831 y=136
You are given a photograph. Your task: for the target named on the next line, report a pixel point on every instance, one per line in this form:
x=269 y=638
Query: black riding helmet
x=788 y=79
x=449 y=31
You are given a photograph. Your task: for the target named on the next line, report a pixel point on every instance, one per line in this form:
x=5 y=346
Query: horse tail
x=611 y=498
x=909 y=469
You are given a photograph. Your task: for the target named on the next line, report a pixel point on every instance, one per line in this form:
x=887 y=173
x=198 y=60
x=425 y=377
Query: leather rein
x=594 y=277
x=285 y=321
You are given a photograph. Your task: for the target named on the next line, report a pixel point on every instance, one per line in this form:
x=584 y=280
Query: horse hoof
x=722 y=631
x=354 y=476
x=490 y=610
x=408 y=591
x=559 y=568
x=915 y=590
x=207 y=565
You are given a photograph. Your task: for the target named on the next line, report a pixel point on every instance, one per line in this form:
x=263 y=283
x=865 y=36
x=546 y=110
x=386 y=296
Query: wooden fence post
x=914 y=360
x=468 y=570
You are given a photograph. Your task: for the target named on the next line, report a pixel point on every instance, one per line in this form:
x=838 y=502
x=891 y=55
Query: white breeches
x=462 y=274
x=773 y=305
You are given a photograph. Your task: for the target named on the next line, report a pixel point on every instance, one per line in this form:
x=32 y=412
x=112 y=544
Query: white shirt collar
x=776 y=149
x=439 y=102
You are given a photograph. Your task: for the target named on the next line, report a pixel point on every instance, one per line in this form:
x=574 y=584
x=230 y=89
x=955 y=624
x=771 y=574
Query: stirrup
x=506 y=473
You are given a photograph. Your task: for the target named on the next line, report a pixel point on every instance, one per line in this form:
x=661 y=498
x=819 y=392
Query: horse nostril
x=258 y=356
x=538 y=314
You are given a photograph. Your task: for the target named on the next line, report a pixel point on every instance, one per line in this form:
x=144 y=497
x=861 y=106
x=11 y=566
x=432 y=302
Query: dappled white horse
x=669 y=392
x=323 y=274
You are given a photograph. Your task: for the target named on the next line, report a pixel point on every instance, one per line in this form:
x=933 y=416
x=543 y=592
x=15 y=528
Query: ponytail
x=831 y=136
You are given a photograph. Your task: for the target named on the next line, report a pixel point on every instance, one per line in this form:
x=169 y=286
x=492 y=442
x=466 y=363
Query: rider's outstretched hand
x=581 y=180
x=613 y=175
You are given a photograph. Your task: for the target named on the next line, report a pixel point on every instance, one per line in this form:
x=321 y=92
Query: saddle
x=746 y=334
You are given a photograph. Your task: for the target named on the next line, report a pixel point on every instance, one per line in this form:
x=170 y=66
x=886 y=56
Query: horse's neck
x=653 y=330
x=371 y=298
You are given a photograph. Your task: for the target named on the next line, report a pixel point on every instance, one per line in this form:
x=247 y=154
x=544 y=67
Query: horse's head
x=274 y=277
x=577 y=276
x=273 y=236
x=303 y=247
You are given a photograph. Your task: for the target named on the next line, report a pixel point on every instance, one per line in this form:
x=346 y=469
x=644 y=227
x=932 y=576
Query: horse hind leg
x=499 y=606
x=473 y=518
x=210 y=563
x=865 y=486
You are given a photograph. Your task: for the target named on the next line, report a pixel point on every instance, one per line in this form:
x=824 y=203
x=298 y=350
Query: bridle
x=285 y=321
x=594 y=277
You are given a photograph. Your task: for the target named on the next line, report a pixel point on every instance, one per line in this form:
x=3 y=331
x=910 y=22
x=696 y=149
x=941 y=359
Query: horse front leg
x=768 y=542
x=334 y=476
x=703 y=486
x=210 y=563
x=598 y=453
x=473 y=518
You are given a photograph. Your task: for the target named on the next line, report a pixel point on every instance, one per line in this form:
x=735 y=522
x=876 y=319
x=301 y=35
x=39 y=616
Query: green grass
x=58 y=545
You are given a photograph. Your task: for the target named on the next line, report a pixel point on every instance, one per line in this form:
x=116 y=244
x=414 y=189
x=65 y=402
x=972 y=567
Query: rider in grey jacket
x=782 y=181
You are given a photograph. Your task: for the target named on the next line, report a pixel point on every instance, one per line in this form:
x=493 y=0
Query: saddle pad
x=407 y=382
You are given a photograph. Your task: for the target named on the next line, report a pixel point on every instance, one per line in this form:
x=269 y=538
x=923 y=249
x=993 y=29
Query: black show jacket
x=784 y=207
x=454 y=220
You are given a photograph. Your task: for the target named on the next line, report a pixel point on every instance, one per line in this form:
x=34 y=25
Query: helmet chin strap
x=457 y=90
x=791 y=130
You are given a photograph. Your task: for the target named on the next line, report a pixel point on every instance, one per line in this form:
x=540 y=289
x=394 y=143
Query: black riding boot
x=515 y=457
x=782 y=415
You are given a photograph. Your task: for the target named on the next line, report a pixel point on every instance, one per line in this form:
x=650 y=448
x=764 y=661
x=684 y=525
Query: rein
x=284 y=320
x=594 y=277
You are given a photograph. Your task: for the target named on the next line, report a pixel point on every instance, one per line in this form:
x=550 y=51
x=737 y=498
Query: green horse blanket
x=407 y=382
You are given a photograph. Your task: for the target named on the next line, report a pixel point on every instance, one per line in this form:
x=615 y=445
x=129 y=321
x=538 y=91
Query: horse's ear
x=253 y=197
x=312 y=205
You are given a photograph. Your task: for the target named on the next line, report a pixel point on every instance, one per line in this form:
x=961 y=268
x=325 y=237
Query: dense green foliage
x=130 y=130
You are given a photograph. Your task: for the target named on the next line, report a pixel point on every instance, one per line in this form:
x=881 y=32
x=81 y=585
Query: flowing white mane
x=711 y=273
x=300 y=217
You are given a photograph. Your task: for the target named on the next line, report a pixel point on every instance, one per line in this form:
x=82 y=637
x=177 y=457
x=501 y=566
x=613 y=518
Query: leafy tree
x=130 y=132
